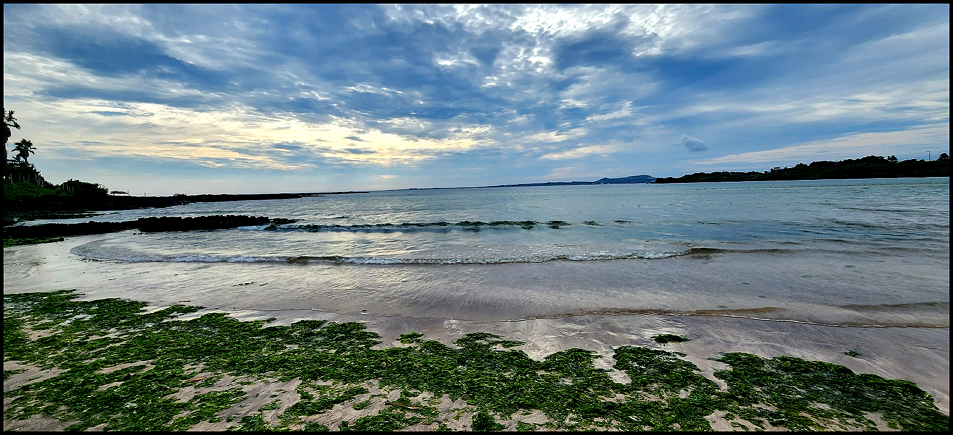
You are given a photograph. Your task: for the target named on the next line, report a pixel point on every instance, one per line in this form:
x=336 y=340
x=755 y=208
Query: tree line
x=20 y=170
x=866 y=167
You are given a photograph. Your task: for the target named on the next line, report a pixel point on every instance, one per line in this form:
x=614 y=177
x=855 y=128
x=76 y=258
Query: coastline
x=916 y=354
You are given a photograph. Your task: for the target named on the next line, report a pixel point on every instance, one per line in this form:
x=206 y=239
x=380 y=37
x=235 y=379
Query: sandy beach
x=476 y=217
x=919 y=355
x=916 y=354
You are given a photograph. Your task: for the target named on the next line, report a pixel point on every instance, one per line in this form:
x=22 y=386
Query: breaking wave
x=92 y=253
x=431 y=226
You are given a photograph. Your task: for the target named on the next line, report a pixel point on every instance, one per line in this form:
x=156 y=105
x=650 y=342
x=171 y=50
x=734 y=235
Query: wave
x=908 y=315
x=362 y=260
x=430 y=226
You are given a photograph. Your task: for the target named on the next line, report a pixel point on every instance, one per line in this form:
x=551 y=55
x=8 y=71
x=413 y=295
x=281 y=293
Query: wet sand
x=917 y=354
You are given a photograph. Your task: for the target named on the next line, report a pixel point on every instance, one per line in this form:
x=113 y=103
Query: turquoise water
x=825 y=251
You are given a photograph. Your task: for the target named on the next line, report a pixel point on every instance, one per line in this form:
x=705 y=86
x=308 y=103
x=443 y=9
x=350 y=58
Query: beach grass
x=109 y=364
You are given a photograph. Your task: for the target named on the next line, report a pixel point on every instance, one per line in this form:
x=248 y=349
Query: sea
x=862 y=252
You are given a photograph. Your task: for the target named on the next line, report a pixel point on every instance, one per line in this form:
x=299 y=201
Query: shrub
x=83 y=189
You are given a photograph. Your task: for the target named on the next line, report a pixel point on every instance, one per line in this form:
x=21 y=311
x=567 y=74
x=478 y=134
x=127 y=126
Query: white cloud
x=235 y=134
x=581 y=152
x=600 y=88
x=624 y=113
x=368 y=89
x=556 y=136
x=929 y=137
x=493 y=86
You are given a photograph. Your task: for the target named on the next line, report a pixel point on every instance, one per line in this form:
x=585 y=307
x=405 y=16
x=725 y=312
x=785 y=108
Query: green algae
x=8 y=373
x=831 y=392
x=522 y=426
x=255 y=423
x=312 y=407
x=30 y=241
x=121 y=367
x=388 y=420
x=483 y=422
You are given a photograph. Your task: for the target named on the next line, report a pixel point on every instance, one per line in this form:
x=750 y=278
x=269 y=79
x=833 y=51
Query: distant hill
x=627 y=180
x=634 y=179
x=867 y=167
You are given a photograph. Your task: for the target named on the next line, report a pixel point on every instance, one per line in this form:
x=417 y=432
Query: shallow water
x=834 y=252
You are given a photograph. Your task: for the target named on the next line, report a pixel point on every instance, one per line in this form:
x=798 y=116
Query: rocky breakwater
x=53 y=203
x=149 y=224
x=58 y=207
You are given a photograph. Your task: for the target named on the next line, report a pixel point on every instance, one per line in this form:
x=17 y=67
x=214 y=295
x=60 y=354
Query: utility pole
x=928 y=156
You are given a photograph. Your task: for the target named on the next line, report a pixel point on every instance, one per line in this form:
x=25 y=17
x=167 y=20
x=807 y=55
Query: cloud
x=576 y=172
x=556 y=136
x=581 y=152
x=692 y=144
x=843 y=147
x=242 y=137
x=365 y=89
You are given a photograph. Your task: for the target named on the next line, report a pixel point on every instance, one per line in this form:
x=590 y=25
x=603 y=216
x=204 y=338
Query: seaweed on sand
x=114 y=366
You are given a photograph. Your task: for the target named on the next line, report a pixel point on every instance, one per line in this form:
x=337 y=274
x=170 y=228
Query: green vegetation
x=483 y=422
x=30 y=241
x=20 y=192
x=24 y=149
x=27 y=196
x=30 y=191
x=9 y=123
x=15 y=191
x=867 y=167
x=22 y=183
x=121 y=368
x=83 y=189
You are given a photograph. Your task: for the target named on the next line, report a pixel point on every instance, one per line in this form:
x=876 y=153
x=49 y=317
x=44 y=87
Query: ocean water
x=872 y=252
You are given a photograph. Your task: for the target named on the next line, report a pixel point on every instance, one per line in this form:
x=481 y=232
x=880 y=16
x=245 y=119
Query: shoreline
x=886 y=352
x=915 y=354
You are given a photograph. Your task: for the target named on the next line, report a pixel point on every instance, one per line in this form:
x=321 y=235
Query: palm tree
x=24 y=148
x=8 y=122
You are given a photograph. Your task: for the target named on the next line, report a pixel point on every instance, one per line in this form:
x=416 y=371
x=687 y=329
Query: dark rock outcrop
x=116 y=202
x=149 y=224
x=56 y=207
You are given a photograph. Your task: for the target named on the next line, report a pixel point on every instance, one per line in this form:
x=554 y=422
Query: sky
x=160 y=99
